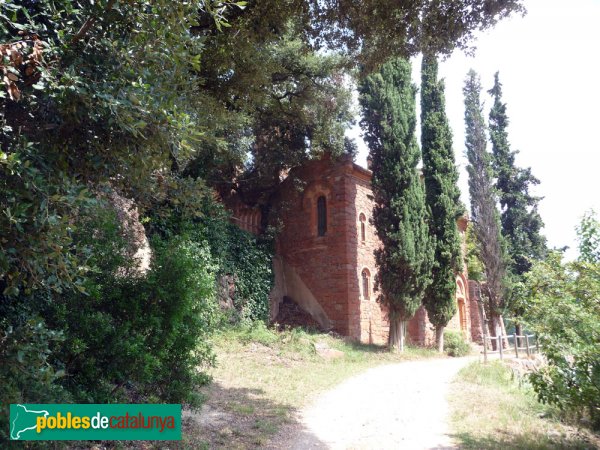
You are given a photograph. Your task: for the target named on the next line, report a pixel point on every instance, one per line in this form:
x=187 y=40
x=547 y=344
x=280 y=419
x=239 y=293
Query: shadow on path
x=241 y=418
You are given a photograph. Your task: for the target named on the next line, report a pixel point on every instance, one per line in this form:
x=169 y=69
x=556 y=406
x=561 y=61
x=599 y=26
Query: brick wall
x=476 y=330
x=322 y=262
x=338 y=270
x=374 y=325
x=419 y=329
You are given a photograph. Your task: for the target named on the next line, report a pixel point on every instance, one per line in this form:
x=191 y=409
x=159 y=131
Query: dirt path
x=399 y=406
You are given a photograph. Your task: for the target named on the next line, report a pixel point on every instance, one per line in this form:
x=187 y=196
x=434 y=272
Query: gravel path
x=399 y=406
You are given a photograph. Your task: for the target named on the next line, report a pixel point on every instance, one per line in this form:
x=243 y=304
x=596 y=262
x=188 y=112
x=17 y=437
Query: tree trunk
x=495 y=331
x=396 y=340
x=483 y=322
x=402 y=335
x=519 y=332
x=439 y=338
x=503 y=331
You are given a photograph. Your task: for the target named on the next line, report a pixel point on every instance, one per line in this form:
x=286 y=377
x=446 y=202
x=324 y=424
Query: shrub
x=142 y=336
x=113 y=334
x=30 y=370
x=193 y=212
x=250 y=259
x=182 y=288
x=26 y=374
x=119 y=335
x=571 y=379
x=455 y=344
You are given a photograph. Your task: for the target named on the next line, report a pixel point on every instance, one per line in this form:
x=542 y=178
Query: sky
x=549 y=64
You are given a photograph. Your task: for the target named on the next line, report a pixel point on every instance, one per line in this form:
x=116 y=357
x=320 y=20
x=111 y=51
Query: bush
x=181 y=288
x=571 y=379
x=118 y=336
x=193 y=212
x=142 y=337
x=455 y=344
x=250 y=260
x=113 y=334
x=25 y=371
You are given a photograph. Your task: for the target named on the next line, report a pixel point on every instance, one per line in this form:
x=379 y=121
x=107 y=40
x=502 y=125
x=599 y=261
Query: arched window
x=366 y=281
x=321 y=216
x=363 y=227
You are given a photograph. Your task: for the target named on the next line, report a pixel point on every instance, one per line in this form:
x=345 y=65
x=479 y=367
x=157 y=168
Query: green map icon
x=23 y=419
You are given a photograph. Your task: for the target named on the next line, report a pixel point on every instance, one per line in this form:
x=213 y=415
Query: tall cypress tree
x=443 y=199
x=404 y=262
x=484 y=214
x=521 y=222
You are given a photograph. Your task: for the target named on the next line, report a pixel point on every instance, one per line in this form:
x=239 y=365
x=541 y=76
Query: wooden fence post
x=516 y=345
x=527 y=345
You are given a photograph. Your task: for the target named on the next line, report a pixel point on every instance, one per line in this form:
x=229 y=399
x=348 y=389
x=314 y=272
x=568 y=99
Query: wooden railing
x=530 y=340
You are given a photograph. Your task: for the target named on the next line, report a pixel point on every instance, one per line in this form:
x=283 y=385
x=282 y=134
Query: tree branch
x=89 y=23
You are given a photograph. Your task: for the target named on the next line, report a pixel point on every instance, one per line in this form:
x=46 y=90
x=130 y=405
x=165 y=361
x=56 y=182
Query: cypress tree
x=519 y=217
x=484 y=214
x=521 y=222
x=443 y=199
x=404 y=262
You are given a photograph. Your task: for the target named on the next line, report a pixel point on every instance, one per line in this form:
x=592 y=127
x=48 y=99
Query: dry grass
x=491 y=410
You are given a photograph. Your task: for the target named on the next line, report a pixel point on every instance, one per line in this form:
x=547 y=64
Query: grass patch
x=266 y=426
x=491 y=410
x=264 y=376
x=242 y=409
x=285 y=365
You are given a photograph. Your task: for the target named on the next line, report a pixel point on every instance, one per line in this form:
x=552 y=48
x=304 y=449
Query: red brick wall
x=476 y=331
x=245 y=217
x=323 y=262
x=419 y=329
x=331 y=266
x=374 y=325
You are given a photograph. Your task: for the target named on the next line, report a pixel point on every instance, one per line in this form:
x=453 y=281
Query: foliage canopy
x=556 y=290
x=484 y=214
x=400 y=216
x=442 y=197
x=519 y=217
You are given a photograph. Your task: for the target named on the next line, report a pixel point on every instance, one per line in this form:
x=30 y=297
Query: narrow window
x=365 y=284
x=321 y=216
x=363 y=227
